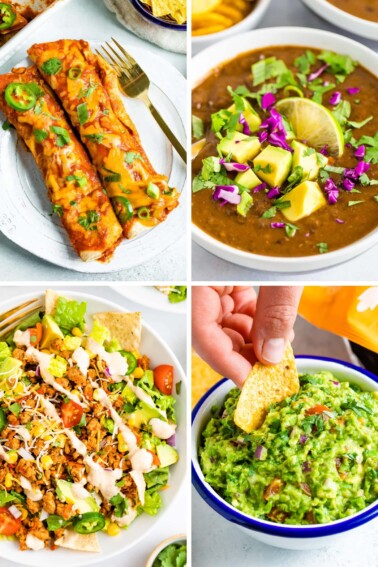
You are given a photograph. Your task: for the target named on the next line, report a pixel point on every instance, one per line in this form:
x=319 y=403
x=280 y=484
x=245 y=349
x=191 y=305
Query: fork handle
x=167 y=131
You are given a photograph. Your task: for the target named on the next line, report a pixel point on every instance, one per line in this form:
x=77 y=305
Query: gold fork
x=135 y=84
x=12 y=318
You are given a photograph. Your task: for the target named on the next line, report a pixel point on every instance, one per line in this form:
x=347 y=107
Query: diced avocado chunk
x=64 y=491
x=167 y=455
x=305 y=199
x=273 y=165
x=143 y=414
x=50 y=331
x=251 y=116
x=248 y=179
x=245 y=204
x=241 y=147
x=129 y=395
x=308 y=159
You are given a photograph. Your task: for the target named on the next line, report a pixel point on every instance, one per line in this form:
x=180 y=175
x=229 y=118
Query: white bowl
x=159 y=353
x=342 y=19
x=180 y=539
x=248 y=23
x=217 y=54
x=278 y=535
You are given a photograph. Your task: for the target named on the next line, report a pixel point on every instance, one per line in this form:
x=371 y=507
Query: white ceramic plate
x=234 y=46
x=342 y=19
x=25 y=208
x=248 y=23
x=159 y=352
x=151 y=297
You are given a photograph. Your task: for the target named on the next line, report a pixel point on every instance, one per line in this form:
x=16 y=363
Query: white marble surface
x=91 y=20
x=172 y=329
x=207 y=267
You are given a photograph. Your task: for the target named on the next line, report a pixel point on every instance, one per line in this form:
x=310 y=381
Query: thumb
x=274 y=320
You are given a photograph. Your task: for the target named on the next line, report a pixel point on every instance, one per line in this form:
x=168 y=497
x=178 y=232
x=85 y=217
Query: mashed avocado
x=314 y=460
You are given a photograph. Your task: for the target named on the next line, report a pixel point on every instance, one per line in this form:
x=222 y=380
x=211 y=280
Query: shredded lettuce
x=5 y=351
x=178 y=294
x=99 y=333
x=156 y=479
x=71 y=343
x=152 y=503
x=70 y=314
x=58 y=367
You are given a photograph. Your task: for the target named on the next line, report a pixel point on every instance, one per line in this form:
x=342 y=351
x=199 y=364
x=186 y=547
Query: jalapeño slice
x=20 y=96
x=7 y=16
x=131 y=361
x=123 y=208
x=88 y=523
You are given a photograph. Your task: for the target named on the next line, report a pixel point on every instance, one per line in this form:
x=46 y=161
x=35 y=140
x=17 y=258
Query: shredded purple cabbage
x=277 y=225
x=335 y=98
x=234 y=166
x=268 y=99
x=353 y=90
x=244 y=123
x=273 y=193
x=317 y=73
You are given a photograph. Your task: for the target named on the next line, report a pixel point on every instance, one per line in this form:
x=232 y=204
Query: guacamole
x=314 y=460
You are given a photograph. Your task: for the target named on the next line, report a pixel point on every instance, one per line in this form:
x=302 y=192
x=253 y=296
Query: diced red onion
x=335 y=98
x=307 y=234
x=306 y=489
x=14 y=511
x=107 y=372
x=38 y=372
x=244 y=123
x=350 y=174
x=303 y=439
x=260 y=453
x=361 y=167
x=330 y=185
x=219 y=188
x=340 y=221
x=233 y=198
x=360 y=151
x=306 y=467
x=273 y=192
x=348 y=184
x=317 y=73
x=353 y=90
x=268 y=99
x=234 y=166
x=172 y=440
x=333 y=196
x=335 y=381
x=324 y=150
x=325 y=83
x=277 y=225
x=259 y=187
x=263 y=136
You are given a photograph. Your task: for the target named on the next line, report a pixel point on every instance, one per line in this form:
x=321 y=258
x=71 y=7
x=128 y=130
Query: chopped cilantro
x=197 y=127
x=62 y=136
x=82 y=113
x=372 y=151
x=352 y=203
x=40 y=135
x=52 y=66
x=58 y=209
x=81 y=180
x=323 y=247
x=87 y=221
x=94 y=137
x=131 y=156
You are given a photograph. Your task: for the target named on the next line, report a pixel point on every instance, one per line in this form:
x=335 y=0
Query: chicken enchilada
x=88 y=90
x=73 y=185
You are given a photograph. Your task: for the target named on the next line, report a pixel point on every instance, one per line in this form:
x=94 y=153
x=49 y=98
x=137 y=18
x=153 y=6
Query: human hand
x=233 y=327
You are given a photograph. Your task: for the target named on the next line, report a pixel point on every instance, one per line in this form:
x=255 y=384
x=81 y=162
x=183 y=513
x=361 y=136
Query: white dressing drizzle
x=81 y=357
x=116 y=363
x=22 y=338
x=162 y=429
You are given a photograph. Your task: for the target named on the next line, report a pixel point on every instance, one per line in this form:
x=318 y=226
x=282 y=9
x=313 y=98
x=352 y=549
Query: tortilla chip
x=79 y=542
x=203 y=378
x=266 y=385
x=51 y=300
x=124 y=327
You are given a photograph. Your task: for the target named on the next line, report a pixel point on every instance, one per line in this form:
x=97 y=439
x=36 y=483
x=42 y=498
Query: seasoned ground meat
x=76 y=376
x=27 y=469
x=64 y=510
x=19 y=353
x=144 y=362
x=33 y=507
x=49 y=503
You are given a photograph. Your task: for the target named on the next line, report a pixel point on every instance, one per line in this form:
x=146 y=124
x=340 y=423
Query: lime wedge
x=200 y=7
x=313 y=123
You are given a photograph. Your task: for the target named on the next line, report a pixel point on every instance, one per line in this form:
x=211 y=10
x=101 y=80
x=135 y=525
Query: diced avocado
x=308 y=159
x=245 y=204
x=65 y=494
x=129 y=395
x=305 y=199
x=9 y=368
x=142 y=415
x=167 y=455
x=273 y=165
x=251 y=116
x=241 y=147
x=50 y=331
x=248 y=179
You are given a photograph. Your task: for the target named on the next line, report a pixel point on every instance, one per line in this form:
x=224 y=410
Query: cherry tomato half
x=163 y=378
x=9 y=525
x=71 y=414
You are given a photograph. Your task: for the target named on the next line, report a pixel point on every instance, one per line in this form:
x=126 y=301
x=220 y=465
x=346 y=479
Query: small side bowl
x=180 y=539
x=279 y=535
x=248 y=23
x=343 y=19
x=146 y=13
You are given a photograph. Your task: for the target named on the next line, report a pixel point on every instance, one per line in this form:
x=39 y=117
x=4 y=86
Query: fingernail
x=273 y=350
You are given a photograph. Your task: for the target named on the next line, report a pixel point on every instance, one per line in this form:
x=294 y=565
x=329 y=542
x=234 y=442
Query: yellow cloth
x=203 y=377
x=348 y=311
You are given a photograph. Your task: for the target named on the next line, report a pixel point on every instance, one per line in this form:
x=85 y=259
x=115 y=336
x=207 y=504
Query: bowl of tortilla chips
x=210 y=411
x=132 y=333
x=170 y=14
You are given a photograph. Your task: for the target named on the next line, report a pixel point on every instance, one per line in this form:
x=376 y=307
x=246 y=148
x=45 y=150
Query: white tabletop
x=172 y=329
x=89 y=19
x=207 y=267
